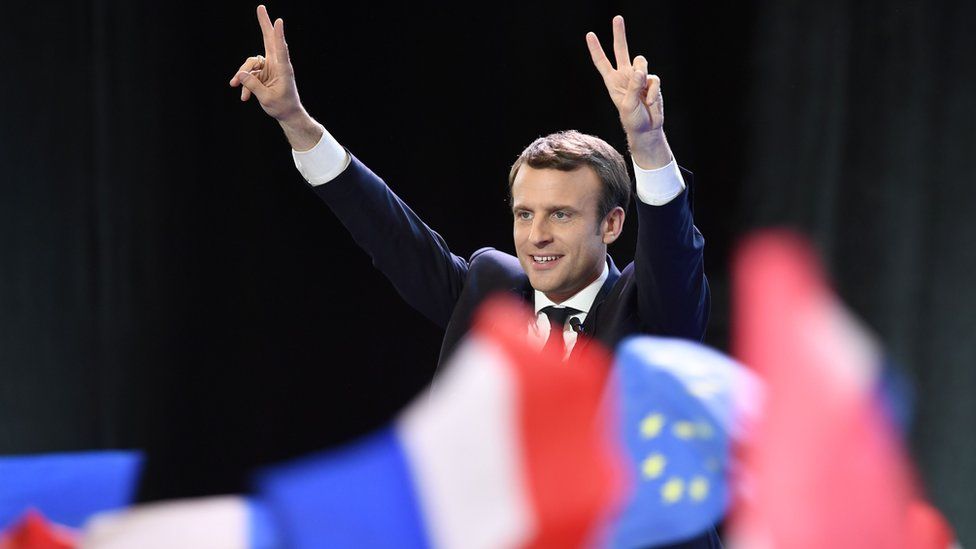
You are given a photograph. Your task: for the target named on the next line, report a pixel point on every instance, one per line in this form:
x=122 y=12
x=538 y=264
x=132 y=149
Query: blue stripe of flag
x=358 y=496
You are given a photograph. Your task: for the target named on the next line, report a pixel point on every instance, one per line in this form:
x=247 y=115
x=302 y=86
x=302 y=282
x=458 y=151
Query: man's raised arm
x=415 y=258
x=672 y=290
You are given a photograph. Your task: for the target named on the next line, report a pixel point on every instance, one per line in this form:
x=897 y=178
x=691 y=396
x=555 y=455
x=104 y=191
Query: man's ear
x=612 y=225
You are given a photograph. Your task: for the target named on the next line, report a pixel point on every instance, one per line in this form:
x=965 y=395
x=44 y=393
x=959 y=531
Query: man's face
x=559 y=241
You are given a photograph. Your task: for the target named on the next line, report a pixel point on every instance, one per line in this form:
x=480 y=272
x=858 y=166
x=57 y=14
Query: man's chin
x=542 y=283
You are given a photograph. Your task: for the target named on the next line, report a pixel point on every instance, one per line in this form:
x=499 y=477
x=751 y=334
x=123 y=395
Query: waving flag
x=825 y=466
x=682 y=405
x=511 y=448
x=67 y=488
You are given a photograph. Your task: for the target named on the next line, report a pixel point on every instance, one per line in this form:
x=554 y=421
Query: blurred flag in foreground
x=510 y=449
x=682 y=404
x=66 y=488
x=824 y=466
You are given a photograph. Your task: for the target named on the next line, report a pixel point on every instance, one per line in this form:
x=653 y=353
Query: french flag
x=511 y=448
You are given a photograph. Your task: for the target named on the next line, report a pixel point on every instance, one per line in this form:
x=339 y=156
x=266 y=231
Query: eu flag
x=681 y=403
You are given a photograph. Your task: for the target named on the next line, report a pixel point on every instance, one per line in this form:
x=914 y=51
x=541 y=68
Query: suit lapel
x=523 y=290
x=589 y=325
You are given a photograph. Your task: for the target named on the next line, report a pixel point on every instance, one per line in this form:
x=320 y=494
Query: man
x=569 y=194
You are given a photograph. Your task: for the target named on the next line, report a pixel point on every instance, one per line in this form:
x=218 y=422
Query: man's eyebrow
x=550 y=209
x=569 y=209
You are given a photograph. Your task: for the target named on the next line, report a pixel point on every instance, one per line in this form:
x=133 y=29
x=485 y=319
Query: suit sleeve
x=672 y=291
x=414 y=257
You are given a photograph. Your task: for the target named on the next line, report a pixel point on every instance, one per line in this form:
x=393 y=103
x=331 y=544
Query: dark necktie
x=557 y=323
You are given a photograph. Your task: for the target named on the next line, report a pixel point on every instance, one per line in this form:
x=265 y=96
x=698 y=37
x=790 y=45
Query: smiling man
x=569 y=196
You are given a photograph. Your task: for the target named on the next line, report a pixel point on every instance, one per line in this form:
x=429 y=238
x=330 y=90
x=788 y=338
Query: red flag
x=927 y=528
x=824 y=467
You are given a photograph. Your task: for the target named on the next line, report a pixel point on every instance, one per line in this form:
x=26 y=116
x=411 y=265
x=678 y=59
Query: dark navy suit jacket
x=663 y=291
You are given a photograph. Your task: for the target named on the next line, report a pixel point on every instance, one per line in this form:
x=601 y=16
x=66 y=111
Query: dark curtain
x=863 y=123
x=168 y=282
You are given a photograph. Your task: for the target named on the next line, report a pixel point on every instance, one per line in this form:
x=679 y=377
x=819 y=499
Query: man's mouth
x=540 y=260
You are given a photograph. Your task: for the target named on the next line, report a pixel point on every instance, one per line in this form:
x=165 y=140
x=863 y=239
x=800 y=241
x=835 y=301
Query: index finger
x=267 y=31
x=597 y=54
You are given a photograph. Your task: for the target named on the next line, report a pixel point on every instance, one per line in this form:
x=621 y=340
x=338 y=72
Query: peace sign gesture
x=637 y=96
x=270 y=77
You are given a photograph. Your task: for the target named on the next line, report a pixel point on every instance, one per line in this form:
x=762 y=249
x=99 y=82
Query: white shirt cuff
x=323 y=162
x=659 y=186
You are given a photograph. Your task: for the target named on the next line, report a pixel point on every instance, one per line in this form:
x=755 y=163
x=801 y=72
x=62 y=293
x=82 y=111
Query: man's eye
x=560 y=215
x=523 y=215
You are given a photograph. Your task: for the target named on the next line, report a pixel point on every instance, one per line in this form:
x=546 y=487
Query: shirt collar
x=582 y=300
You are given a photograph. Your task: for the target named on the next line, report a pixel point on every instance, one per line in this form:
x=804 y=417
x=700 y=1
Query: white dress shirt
x=581 y=301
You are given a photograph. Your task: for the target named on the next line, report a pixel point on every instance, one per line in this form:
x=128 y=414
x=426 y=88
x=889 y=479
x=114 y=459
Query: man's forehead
x=549 y=186
x=581 y=171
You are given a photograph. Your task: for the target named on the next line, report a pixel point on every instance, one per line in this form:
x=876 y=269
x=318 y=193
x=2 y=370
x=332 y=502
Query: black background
x=169 y=282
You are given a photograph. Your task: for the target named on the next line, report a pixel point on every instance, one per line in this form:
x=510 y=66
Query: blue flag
x=357 y=496
x=67 y=488
x=680 y=405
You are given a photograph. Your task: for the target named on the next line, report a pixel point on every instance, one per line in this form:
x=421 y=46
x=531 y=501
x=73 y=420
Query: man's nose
x=540 y=234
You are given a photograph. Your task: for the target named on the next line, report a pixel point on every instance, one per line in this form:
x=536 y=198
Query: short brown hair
x=570 y=149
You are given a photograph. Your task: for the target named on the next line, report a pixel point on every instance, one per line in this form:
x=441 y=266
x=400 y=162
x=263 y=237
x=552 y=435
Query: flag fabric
x=221 y=522
x=511 y=448
x=682 y=403
x=67 y=488
x=824 y=466
x=928 y=529
x=33 y=531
